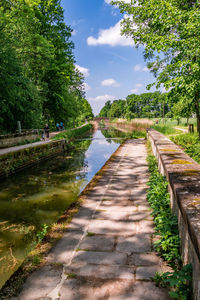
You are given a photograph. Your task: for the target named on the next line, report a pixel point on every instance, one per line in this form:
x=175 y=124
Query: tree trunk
x=197 y=113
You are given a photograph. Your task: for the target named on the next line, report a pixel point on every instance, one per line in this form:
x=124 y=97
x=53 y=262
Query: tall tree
x=169 y=31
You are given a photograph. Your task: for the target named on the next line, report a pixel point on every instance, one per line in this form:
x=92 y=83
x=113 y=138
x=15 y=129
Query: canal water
x=39 y=195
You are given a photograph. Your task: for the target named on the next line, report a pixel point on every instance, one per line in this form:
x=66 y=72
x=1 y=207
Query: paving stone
x=146 y=226
x=41 y=283
x=140 y=215
x=144 y=259
x=81 y=289
x=82 y=218
x=110 y=215
x=147 y=273
x=138 y=195
x=117 y=208
x=143 y=207
x=118 y=202
x=97 y=243
x=143 y=291
x=137 y=243
x=101 y=271
x=110 y=227
x=64 y=248
x=104 y=258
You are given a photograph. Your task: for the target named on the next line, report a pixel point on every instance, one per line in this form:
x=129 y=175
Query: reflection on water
x=39 y=195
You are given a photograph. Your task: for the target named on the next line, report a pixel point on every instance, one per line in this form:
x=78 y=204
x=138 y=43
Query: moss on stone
x=181 y=162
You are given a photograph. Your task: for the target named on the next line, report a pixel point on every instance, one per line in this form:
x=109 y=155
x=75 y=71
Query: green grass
x=168 y=243
x=72 y=133
x=190 y=143
x=165 y=129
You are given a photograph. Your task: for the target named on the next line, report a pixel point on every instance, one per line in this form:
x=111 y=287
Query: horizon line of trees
x=39 y=82
x=145 y=105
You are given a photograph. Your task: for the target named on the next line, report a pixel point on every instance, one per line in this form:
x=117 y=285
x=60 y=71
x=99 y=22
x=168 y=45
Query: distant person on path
x=46 y=130
x=57 y=127
x=61 y=126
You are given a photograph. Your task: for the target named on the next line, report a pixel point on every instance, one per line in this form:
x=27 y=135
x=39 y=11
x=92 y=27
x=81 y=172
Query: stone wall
x=183 y=175
x=16 y=160
x=13 y=139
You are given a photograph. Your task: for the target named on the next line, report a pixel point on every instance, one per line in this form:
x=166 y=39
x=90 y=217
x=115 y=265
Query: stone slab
x=137 y=243
x=63 y=250
x=97 y=243
x=110 y=227
x=140 y=215
x=147 y=273
x=146 y=227
x=143 y=291
x=91 y=289
x=144 y=259
x=101 y=271
x=103 y=258
x=41 y=283
x=110 y=215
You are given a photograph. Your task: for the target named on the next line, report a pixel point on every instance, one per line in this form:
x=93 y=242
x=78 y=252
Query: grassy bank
x=190 y=144
x=73 y=133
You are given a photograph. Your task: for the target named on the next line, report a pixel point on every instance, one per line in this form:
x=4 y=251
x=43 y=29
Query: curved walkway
x=107 y=251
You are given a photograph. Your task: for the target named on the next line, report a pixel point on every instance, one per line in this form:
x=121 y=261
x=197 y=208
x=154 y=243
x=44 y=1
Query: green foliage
x=191 y=144
x=166 y=223
x=39 y=81
x=72 y=133
x=165 y=129
x=147 y=105
x=41 y=234
x=171 y=42
x=168 y=244
x=179 y=282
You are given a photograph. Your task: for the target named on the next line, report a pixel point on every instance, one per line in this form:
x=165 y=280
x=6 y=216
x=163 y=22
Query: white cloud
x=111 y=37
x=102 y=98
x=138 y=85
x=134 y=91
x=139 y=68
x=83 y=70
x=110 y=82
x=86 y=87
x=98 y=102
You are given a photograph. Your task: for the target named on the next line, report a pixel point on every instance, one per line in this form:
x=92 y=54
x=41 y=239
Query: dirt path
x=107 y=251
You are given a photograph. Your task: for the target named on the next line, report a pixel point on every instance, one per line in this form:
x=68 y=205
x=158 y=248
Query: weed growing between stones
x=166 y=226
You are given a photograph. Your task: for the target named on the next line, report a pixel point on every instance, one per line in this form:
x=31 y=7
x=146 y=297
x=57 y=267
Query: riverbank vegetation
x=190 y=144
x=167 y=242
x=39 y=81
x=73 y=133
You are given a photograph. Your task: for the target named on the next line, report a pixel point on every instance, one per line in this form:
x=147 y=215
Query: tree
x=105 y=110
x=19 y=97
x=169 y=31
x=38 y=74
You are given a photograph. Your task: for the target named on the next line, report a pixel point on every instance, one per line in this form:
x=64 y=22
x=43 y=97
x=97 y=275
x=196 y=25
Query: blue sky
x=112 y=67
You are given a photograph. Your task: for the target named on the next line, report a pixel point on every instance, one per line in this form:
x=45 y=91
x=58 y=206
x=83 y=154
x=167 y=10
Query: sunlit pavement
x=107 y=251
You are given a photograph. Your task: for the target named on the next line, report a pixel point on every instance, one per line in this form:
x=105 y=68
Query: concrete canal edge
x=15 y=159
x=183 y=175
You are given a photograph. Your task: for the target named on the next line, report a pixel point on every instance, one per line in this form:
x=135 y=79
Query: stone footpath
x=107 y=251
